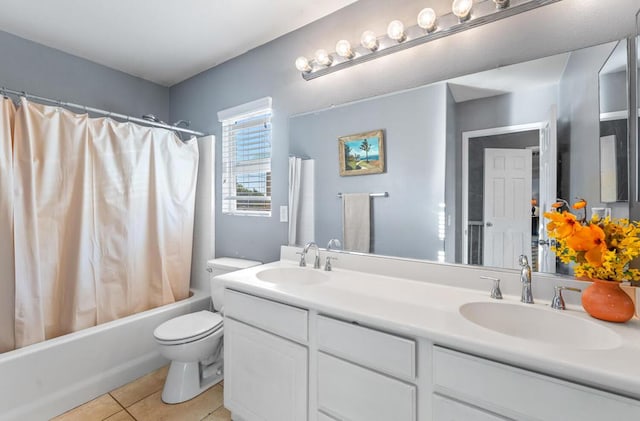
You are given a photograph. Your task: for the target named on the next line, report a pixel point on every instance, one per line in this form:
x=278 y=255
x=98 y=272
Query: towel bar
x=385 y=194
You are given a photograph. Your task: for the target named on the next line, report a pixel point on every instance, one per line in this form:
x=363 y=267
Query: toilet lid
x=189 y=326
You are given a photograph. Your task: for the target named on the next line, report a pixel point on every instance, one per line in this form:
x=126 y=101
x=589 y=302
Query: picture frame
x=362 y=153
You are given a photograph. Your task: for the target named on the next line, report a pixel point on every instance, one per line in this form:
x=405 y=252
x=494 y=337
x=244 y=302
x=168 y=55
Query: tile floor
x=140 y=401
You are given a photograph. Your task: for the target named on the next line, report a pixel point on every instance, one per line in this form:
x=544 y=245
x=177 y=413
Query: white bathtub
x=46 y=379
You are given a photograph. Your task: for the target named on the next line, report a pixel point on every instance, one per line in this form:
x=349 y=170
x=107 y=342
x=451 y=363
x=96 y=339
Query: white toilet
x=193 y=342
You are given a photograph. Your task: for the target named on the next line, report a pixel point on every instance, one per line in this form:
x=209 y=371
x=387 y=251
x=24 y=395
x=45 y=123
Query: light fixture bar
x=483 y=12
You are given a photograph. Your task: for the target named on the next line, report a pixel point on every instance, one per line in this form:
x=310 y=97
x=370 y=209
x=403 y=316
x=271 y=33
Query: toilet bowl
x=193 y=342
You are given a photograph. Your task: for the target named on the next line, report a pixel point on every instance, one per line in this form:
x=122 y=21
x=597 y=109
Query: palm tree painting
x=361 y=153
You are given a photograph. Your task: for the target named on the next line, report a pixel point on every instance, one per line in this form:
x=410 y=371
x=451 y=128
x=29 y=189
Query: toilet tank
x=220 y=266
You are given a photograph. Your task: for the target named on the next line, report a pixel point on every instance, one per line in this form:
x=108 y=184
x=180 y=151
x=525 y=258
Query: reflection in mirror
x=542 y=116
x=636 y=107
x=614 y=112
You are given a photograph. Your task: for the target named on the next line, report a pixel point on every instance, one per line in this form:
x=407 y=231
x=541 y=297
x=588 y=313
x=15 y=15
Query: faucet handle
x=496 y=294
x=303 y=261
x=557 y=302
x=523 y=260
x=327 y=264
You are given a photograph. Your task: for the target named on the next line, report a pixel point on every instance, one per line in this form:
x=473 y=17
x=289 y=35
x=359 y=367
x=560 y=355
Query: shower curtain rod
x=4 y=91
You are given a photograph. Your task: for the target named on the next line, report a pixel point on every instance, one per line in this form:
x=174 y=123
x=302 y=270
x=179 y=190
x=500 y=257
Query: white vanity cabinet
x=364 y=374
x=286 y=363
x=266 y=361
x=516 y=393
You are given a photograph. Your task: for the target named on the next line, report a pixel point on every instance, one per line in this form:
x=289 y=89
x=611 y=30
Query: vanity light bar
x=399 y=38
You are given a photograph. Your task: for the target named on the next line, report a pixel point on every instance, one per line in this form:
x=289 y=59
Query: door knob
x=489 y=224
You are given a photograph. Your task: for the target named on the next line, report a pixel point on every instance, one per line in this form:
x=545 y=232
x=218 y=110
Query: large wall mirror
x=614 y=114
x=447 y=143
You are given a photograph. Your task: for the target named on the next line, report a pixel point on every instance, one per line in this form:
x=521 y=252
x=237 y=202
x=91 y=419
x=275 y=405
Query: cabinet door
x=350 y=392
x=265 y=375
x=449 y=410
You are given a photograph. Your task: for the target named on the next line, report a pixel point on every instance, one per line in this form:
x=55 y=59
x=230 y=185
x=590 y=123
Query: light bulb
x=395 y=30
x=462 y=9
x=322 y=57
x=369 y=40
x=427 y=19
x=343 y=48
x=302 y=64
x=501 y=4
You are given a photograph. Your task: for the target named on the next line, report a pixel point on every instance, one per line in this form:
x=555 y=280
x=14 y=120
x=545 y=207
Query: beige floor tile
x=97 y=409
x=139 y=389
x=152 y=408
x=221 y=414
x=121 y=416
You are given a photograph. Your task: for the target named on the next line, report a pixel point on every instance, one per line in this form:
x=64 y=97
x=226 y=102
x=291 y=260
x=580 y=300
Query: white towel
x=356 y=222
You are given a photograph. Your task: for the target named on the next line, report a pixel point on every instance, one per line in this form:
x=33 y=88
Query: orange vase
x=605 y=300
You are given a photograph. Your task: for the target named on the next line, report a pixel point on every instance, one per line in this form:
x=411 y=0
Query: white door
x=507 y=206
x=548 y=189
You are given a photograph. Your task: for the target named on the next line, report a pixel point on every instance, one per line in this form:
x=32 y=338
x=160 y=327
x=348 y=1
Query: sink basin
x=540 y=324
x=299 y=276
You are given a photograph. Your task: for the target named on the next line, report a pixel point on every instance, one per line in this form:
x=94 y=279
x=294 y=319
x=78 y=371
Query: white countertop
x=420 y=308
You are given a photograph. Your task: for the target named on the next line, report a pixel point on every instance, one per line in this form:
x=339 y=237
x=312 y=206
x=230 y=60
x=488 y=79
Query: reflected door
x=548 y=188
x=507 y=206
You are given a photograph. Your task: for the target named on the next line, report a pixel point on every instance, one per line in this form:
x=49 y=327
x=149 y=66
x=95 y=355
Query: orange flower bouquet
x=602 y=250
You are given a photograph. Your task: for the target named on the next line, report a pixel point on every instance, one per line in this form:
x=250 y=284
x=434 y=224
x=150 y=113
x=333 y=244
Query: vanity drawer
x=283 y=320
x=325 y=417
x=349 y=392
x=521 y=394
x=445 y=409
x=381 y=351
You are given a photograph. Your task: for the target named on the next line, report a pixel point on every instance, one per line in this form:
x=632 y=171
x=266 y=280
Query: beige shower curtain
x=7 y=280
x=103 y=220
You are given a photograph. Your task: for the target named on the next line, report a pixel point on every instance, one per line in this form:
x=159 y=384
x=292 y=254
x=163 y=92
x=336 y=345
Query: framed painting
x=361 y=153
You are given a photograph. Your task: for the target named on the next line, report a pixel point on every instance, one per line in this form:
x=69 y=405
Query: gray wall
x=522 y=107
x=613 y=92
x=269 y=70
x=43 y=71
x=579 y=128
x=414 y=125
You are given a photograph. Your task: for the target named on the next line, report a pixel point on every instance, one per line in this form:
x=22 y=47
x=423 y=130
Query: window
x=246 y=159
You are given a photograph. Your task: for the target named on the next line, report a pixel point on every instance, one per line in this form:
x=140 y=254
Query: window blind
x=246 y=162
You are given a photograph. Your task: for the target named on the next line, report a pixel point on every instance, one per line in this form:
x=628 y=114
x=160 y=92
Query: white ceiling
x=164 y=41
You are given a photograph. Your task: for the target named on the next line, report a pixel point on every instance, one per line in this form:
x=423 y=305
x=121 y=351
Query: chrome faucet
x=525 y=278
x=316 y=262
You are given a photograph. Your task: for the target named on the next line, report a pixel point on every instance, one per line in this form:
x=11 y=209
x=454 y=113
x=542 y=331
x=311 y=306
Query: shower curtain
x=102 y=219
x=7 y=282
x=295 y=168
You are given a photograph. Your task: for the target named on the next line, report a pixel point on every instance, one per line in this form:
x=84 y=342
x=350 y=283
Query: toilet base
x=187 y=380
